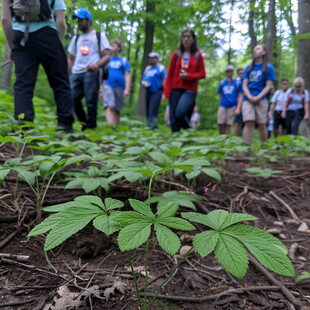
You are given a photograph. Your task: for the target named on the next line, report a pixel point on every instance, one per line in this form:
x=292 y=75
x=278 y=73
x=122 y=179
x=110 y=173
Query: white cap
x=230 y=68
x=153 y=54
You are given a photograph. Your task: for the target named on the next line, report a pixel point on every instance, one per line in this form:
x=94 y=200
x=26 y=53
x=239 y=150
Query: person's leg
x=26 y=70
x=276 y=123
x=185 y=108
x=153 y=108
x=261 y=110
x=119 y=103
x=230 y=116
x=299 y=115
x=76 y=82
x=54 y=61
x=221 y=120
x=91 y=91
x=237 y=131
x=248 y=131
x=288 y=121
x=109 y=104
x=282 y=130
x=227 y=129
x=263 y=134
x=173 y=103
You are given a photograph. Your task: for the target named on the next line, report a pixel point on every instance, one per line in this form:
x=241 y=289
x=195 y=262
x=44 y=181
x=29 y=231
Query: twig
x=10 y=237
x=273 y=280
x=293 y=214
x=245 y=191
x=17 y=303
x=49 y=263
x=19 y=258
x=175 y=184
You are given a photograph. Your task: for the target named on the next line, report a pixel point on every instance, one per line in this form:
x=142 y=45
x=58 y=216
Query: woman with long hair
x=257 y=82
x=186 y=67
x=296 y=106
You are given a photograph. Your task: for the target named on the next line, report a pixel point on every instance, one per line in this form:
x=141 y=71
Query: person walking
x=117 y=86
x=186 y=68
x=230 y=92
x=88 y=52
x=296 y=106
x=257 y=82
x=238 y=118
x=276 y=108
x=153 y=80
x=34 y=42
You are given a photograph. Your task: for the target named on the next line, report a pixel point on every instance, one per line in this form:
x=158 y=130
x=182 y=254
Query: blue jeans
x=152 y=106
x=42 y=47
x=292 y=121
x=86 y=85
x=181 y=104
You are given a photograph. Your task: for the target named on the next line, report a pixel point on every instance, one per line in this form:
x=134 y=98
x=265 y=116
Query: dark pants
x=292 y=121
x=152 y=106
x=278 y=120
x=86 y=85
x=181 y=104
x=43 y=47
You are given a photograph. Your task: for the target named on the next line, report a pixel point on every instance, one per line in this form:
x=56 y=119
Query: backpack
x=161 y=68
x=291 y=97
x=179 y=53
x=103 y=72
x=26 y=11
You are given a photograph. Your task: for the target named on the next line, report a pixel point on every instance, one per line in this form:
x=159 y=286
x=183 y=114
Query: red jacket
x=195 y=71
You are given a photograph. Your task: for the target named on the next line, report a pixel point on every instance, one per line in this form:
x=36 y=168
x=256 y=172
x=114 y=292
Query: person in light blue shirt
x=32 y=44
x=230 y=91
x=296 y=106
x=257 y=82
x=153 y=80
x=117 y=86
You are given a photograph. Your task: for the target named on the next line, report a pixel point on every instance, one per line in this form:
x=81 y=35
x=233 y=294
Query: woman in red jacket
x=186 y=67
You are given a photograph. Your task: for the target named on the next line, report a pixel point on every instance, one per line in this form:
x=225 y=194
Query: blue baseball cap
x=82 y=13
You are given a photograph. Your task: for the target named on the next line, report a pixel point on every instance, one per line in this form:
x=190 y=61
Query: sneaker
x=65 y=128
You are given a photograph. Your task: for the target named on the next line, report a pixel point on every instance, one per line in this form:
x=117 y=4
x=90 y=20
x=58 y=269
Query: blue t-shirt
x=155 y=75
x=117 y=67
x=59 y=5
x=257 y=79
x=296 y=102
x=229 y=92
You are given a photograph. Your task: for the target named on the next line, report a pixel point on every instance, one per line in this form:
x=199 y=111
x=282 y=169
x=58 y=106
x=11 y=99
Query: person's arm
x=201 y=71
x=71 y=59
x=61 y=24
x=6 y=21
x=127 y=83
x=306 y=110
x=246 y=89
x=105 y=58
x=220 y=97
x=264 y=92
x=168 y=81
x=163 y=97
x=239 y=104
x=271 y=110
x=284 y=108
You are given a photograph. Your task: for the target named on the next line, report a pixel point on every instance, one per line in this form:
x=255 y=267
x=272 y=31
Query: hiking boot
x=65 y=128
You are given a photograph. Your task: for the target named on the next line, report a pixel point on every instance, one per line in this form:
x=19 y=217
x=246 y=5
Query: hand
x=126 y=93
x=163 y=97
x=101 y=95
x=183 y=75
x=237 y=112
x=270 y=115
x=306 y=117
x=254 y=99
x=92 y=68
x=283 y=114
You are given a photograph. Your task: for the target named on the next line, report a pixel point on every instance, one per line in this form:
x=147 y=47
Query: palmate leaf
x=232 y=256
x=75 y=183
x=212 y=173
x=142 y=208
x=161 y=158
x=234 y=218
x=176 y=223
x=167 y=210
x=106 y=224
x=205 y=242
x=90 y=184
x=130 y=217
x=134 y=235
x=167 y=239
x=269 y=250
x=111 y=204
x=199 y=218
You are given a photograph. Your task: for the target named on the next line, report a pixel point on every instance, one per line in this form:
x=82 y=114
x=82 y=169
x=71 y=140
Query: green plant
x=304 y=275
x=265 y=173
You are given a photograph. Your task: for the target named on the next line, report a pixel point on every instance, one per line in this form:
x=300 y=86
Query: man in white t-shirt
x=85 y=58
x=276 y=108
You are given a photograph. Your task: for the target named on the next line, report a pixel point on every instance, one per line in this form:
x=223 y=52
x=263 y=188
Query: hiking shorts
x=113 y=97
x=278 y=120
x=255 y=112
x=226 y=116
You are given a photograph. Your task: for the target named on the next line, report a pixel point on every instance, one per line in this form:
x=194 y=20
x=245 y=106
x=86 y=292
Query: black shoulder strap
x=75 y=43
x=52 y=4
x=98 y=34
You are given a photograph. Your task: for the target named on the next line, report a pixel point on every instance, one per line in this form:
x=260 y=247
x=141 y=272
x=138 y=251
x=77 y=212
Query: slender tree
x=251 y=23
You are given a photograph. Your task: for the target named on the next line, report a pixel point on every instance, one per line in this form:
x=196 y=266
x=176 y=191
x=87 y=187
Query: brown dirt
x=90 y=258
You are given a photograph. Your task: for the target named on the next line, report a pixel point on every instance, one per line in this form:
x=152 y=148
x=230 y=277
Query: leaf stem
x=134 y=279
x=47 y=186
x=145 y=267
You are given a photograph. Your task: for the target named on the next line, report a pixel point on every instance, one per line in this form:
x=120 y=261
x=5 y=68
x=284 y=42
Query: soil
x=88 y=271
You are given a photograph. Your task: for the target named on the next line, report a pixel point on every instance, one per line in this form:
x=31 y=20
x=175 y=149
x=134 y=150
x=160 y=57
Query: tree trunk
x=304 y=44
x=6 y=70
x=230 y=31
x=148 y=46
x=289 y=19
x=271 y=37
x=251 y=24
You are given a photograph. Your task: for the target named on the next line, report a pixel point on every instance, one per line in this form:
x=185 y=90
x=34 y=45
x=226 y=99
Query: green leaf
x=142 y=208
x=197 y=161
x=193 y=174
x=205 y=242
x=304 y=275
x=75 y=183
x=145 y=172
x=129 y=217
x=134 y=235
x=93 y=172
x=167 y=210
x=45 y=167
x=27 y=176
x=269 y=250
x=167 y=239
x=163 y=159
x=111 y=204
x=212 y=173
x=89 y=200
x=65 y=229
x=3 y=174
x=135 y=150
x=176 y=223
x=90 y=184
x=106 y=224
x=234 y=218
x=104 y=184
x=232 y=256
x=199 y=218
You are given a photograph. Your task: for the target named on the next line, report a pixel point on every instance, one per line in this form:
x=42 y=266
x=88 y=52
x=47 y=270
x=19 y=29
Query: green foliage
x=229 y=240
x=304 y=275
x=69 y=218
x=265 y=173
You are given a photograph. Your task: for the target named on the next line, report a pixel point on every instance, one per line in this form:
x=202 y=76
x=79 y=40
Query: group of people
x=98 y=70
x=245 y=100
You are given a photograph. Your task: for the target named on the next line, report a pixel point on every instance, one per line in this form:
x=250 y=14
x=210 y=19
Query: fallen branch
x=290 y=210
x=10 y=237
x=19 y=258
x=18 y=303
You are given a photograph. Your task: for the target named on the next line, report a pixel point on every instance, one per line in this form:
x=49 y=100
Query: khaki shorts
x=226 y=116
x=255 y=112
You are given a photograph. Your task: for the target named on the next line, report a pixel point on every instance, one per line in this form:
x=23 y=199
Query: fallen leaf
x=118 y=285
x=93 y=290
x=303 y=227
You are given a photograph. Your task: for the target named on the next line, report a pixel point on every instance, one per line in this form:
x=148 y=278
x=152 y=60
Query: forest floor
x=88 y=271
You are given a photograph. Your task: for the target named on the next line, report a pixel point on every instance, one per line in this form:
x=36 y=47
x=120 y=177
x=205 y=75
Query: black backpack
x=26 y=11
x=104 y=72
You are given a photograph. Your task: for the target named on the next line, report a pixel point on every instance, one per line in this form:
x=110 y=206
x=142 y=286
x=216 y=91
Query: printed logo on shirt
x=151 y=73
x=254 y=76
x=228 y=89
x=115 y=64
